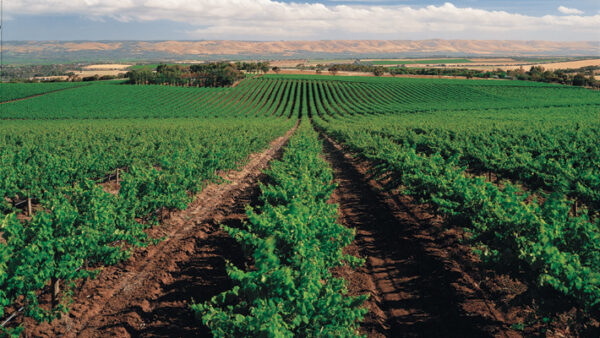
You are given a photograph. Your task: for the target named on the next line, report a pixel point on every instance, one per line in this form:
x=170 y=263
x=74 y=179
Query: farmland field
x=15 y=91
x=420 y=61
x=388 y=207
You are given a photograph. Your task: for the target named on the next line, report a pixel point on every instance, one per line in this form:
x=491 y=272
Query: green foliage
x=13 y=91
x=431 y=138
x=215 y=74
x=295 y=241
x=146 y=190
x=251 y=97
x=80 y=226
x=558 y=249
x=550 y=149
x=274 y=95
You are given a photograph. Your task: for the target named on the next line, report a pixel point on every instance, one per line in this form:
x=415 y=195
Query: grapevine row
x=79 y=224
x=295 y=242
x=556 y=249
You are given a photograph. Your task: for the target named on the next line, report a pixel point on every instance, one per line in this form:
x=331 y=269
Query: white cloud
x=567 y=10
x=272 y=20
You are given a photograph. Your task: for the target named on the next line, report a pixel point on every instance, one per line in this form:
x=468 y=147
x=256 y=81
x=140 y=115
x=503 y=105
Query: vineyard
x=276 y=207
x=15 y=91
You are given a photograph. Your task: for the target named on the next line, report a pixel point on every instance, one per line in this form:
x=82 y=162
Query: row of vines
x=270 y=95
x=523 y=182
x=439 y=140
x=295 y=241
x=76 y=226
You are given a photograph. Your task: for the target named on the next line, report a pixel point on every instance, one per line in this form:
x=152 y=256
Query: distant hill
x=52 y=51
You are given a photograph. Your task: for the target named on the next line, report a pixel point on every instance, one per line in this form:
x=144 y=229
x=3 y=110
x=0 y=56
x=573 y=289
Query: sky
x=265 y=20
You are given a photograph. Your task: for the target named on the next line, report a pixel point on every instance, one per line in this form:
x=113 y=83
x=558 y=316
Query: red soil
x=149 y=294
x=416 y=286
x=424 y=280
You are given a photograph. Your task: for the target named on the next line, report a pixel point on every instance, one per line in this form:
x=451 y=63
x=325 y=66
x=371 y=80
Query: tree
x=378 y=71
x=333 y=70
x=218 y=74
x=263 y=66
x=276 y=69
x=161 y=68
x=579 y=80
x=71 y=76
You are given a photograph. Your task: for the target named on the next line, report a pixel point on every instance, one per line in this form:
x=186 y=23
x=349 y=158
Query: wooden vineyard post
x=575 y=208
x=29 y=211
x=55 y=291
x=117 y=175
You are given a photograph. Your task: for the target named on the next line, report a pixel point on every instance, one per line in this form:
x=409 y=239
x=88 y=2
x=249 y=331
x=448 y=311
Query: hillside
x=19 y=51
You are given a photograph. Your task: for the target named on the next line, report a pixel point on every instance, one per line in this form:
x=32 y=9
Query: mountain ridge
x=207 y=49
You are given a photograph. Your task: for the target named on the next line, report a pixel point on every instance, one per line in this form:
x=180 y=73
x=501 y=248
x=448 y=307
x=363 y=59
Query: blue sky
x=306 y=20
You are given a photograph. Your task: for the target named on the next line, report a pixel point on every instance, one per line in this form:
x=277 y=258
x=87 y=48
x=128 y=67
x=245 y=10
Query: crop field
x=300 y=205
x=15 y=91
x=415 y=62
x=150 y=67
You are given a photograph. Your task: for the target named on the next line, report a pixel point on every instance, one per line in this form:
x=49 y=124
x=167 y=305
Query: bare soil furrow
x=148 y=295
x=417 y=285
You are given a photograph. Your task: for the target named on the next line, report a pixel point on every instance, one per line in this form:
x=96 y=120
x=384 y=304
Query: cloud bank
x=567 y=10
x=272 y=20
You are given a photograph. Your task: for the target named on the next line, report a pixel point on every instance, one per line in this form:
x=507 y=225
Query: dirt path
x=149 y=294
x=417 y=286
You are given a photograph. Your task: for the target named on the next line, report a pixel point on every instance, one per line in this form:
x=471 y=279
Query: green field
x=277 y=94
x=416 y=62
x=14 y=91
x=515 y=164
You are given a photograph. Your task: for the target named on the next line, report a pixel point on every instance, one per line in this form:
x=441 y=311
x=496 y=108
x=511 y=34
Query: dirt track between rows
x=149 y=294
x=417 y=287
x=422 y=281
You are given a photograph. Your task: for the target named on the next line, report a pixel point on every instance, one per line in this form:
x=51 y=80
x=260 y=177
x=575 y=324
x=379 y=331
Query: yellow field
x=86 y=73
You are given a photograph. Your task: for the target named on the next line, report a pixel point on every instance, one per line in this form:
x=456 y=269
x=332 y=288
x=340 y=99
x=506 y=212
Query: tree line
x=583 y=77
x=214 y=74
